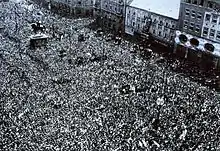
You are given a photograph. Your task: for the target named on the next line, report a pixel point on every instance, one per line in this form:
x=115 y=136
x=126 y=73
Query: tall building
x=200 y=18
x=159 y=18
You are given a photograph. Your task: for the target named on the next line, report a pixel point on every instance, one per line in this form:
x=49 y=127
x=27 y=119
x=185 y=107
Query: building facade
x=200 y=18
x=141 y=20
x=199 y=50
x=110 y=14
x=199 y=37
x=73 y=7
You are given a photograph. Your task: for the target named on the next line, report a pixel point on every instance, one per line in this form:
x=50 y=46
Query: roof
x=169 y=8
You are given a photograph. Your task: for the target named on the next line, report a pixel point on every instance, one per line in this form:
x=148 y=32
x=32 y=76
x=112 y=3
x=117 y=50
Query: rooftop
x=168 y=8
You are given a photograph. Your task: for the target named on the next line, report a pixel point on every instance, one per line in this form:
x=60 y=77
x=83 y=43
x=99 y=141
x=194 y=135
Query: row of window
x=164 y=36
x=110 y=7
x=196 y=2
x=209 y=4
x=148 y=16
x=79 y=2
x=213 y=19
x=191 y=26
x=154 y=22
x=211 y=34
x=160 y=25
x=193 y=14
x=161 y=35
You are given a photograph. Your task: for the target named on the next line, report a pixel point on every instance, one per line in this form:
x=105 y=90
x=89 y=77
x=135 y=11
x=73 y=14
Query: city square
x=95 y=94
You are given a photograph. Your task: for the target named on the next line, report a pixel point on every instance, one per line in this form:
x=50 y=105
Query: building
x=199 y=50
x=4 y=1
x=200 y=18
x=154 y=18
x=73 y=7
x=110 y=14
x=199 y=23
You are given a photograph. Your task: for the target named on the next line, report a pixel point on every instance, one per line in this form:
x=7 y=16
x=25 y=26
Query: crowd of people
x=95 y=94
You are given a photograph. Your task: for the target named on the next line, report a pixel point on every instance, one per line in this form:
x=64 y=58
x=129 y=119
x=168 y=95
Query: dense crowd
x=96 y=95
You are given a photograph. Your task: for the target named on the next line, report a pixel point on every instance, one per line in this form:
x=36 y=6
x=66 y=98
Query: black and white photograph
x=109 y=75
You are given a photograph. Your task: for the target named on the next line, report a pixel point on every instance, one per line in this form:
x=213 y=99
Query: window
x=207 y=17
x=185 y=25
x=201 y=2
x=165 y=35
x=210 y=4
x=187 y=12
x=167 y=25
x=159 y=33
x=133 y=13
x=197 y=28
x=165 y=29
x=193 y=14
x=133 y=23
x=191 y=26
x=195 y=2
x=188 y=1
x=199 y=16
x=159 y=27
x=212 y=33
x=205 y=31
x=218 y=36
x=214 y=19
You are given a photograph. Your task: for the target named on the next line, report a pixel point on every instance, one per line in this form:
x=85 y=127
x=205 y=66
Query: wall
x=110 y=14
x=211 y=26
x=73 y=7
x=191 y=18
x=162 y=27
x=200 y=18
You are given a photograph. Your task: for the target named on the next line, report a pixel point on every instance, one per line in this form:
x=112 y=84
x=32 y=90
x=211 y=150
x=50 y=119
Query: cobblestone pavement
x=96 y=95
